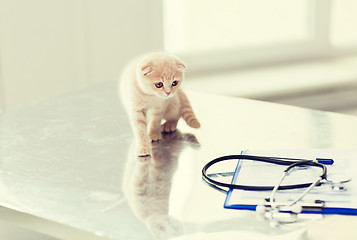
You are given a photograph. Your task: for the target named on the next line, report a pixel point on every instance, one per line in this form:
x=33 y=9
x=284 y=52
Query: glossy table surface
x=67 y=162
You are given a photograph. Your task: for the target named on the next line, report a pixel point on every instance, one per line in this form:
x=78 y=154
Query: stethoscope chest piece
x=280 y=212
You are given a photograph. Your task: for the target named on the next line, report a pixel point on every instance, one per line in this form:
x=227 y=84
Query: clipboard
x=256 y=173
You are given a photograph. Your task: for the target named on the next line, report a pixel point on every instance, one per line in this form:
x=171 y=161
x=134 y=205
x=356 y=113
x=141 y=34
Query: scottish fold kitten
x=150 y=90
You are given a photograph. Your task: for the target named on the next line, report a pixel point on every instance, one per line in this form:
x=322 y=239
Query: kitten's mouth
x=168 y=95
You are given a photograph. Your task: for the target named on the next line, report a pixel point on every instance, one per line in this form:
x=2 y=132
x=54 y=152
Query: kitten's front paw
x=155 y=136
x=143 y=151
x=168 y=127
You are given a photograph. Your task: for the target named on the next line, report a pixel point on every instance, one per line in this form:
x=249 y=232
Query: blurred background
x=298 y=52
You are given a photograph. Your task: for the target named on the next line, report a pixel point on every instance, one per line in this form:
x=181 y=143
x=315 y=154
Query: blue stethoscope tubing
x=290 y=162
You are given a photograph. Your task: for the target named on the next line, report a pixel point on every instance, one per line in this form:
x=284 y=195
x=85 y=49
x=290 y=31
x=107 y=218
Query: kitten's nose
x=167 y=93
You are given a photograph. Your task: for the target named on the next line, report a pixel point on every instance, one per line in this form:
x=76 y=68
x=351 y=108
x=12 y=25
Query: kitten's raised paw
x=168 y=127
x=194 y=123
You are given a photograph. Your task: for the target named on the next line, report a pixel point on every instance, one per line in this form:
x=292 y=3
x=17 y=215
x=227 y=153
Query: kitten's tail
x=187 y=111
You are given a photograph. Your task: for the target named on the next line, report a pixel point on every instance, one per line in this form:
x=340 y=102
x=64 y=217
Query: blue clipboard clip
x=326 y=161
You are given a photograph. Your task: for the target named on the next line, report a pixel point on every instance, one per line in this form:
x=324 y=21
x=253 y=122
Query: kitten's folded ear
x=146 y=70
x=180 y=65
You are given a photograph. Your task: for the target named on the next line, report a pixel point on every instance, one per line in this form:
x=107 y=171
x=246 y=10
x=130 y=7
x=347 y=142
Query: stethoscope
x=271 y=208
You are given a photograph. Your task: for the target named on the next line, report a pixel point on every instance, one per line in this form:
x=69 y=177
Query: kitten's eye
x=174 y=83
x=159 y=85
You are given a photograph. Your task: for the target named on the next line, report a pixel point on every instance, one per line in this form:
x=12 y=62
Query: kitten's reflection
x=147 y=183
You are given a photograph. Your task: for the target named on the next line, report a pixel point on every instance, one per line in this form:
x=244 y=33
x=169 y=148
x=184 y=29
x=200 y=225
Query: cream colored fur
x=150 y=90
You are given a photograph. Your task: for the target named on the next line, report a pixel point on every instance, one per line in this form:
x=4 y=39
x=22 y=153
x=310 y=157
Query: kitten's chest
x=157 y=105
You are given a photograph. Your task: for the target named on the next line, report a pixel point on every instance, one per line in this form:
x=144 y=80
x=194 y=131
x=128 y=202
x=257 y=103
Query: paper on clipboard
x=258 y=173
